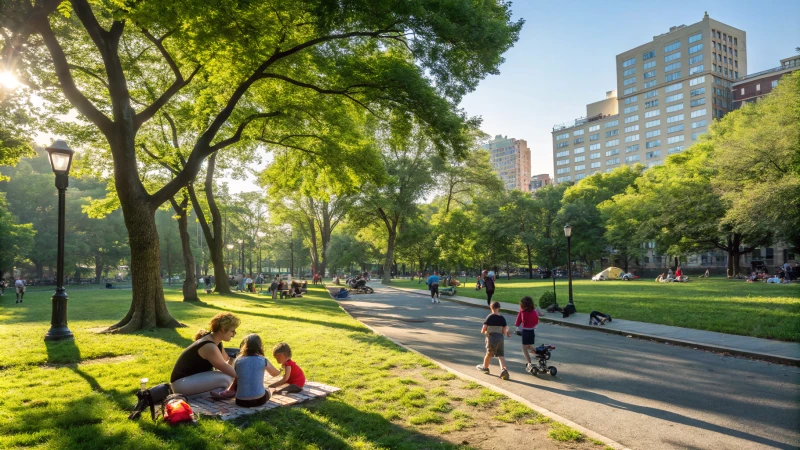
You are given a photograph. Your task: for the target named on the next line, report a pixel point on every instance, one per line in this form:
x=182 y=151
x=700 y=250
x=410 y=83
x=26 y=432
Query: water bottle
x=143 y=384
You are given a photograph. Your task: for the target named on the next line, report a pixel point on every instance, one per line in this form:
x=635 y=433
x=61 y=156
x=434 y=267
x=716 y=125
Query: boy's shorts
x=528 y=337
x=20 y=289
x=495 y=344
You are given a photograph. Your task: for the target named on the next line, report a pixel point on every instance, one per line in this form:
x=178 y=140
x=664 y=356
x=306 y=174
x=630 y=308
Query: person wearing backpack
x=488 y=283
x=194 y=370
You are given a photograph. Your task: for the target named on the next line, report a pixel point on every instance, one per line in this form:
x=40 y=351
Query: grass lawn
x=75 y=394
x=714 y=304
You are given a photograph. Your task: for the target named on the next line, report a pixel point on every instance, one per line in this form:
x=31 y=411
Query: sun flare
x=8 y=80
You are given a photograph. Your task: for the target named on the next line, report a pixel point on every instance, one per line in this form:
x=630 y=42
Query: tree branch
x=90 y=73
x=238 y=134
x=148 y=113
x=160 y=160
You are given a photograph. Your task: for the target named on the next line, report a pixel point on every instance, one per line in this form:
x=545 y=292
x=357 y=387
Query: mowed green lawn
x=715 y=304
x=75 y=395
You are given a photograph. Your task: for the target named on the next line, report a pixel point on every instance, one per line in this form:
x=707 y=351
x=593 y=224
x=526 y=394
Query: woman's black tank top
x=190 y=362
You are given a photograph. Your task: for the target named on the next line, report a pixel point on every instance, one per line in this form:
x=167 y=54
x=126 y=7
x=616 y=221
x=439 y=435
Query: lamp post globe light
x=61 y=161
x=568 y=234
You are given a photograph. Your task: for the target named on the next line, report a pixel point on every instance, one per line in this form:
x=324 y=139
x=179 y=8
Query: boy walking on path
x=19 y=285
x=433 y=285
x=494 y=327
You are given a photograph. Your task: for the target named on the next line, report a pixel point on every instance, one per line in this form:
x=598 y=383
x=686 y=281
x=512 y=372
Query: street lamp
x=260 y=235
x=60 y=161
x=230 y=262
x=568 y=234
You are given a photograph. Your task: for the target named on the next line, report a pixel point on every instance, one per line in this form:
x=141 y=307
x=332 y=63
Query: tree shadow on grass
x=342 y=326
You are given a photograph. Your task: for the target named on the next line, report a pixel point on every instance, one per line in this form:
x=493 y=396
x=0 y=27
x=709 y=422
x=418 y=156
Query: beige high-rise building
x=511 y=159
x=668 y=92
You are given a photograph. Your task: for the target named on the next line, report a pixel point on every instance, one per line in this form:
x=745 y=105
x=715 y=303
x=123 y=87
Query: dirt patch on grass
x=89 y=362
x=461 y=412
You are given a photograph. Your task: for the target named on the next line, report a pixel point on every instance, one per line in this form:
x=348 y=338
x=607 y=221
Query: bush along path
x=76 y=394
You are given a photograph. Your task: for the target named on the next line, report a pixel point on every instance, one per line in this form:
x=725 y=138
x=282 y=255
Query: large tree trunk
x=213 y=239
x=387 y=263
x=190 y=281
x=98 y=268
x=530 y=261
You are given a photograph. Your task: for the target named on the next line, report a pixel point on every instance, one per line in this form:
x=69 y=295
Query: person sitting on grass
x=248 y=387
x=494 y=327
x=194 y=370
x=342 y=294
x=293 y=378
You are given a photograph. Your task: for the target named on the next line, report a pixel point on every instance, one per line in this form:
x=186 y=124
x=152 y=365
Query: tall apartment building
x=672 y=88
x=511 y=159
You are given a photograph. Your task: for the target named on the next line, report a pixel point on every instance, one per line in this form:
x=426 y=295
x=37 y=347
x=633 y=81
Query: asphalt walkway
x=641 y=393
x=757 y=348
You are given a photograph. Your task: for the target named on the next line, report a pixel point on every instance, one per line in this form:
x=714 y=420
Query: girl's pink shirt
x=528 y=319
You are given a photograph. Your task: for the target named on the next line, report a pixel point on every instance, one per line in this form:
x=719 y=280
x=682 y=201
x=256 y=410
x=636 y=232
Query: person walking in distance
x=433 y=285
x=488 y=283
x=19 y=286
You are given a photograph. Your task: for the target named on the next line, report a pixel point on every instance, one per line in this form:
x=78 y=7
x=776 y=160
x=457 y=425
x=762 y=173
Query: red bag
x=177 y=410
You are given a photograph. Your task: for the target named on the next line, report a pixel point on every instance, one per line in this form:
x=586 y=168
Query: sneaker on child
x=482 y=368
x=504 y=374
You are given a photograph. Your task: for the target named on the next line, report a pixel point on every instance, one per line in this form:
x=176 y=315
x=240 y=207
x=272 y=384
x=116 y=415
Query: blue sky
x=565 y=57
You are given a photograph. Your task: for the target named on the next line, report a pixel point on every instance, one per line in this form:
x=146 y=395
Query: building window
x=672 y=76
x=696 y=69
x=695 y=48
x=654 y=154
x=697 y=134
x=651 y=104
x=562 y=162
x=562 y=136
x=651 y=94
x=698 y=113
x=696 y=92
x=735 y=41
x=594 y=165
x=630 y=109
x=632 y=138
x=758 y=87
x=612 y=143
x=631 y=158
x=629 y=90
x=580 y=167
x=675 y=98
x=577 y=132
x=673 y=46
x=673 y=66
x=612 y=133
x=562 y=179
x=696 y=59
x=594 y=147
x=698 y=102
x=650 y=84
x=562 y=144
x=649 y=65
x=612 y=152
x=675 y=129
x=695 y=37
x=676 y=149
x=594 y=155
x=580 y=158
x=562 y=153
x=673 y=87
x=647 y=75
x=672 y=57
x=631 y=129
x=629 y=72
x=579 y=176
x=594 y=128
x=628 y=81
x=577 y=141
x=774 y=84
x=696 y=81
x=632 y=118
x=699 y=124
x=632 y=148
x=594 y=137
x=675 y=118
x=612 y=123
x=630 y=100
x=676 y=139
x=675 y=107
x=652 y=123
x=651 y=144
x=612 y=161
x=562 y=170
x=629 y=62
x=648 y=55
x=578 y=150
x=652 y=134
x=653 y=113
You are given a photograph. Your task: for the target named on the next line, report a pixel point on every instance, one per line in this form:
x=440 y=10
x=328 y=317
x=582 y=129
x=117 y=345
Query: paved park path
x=642 y=394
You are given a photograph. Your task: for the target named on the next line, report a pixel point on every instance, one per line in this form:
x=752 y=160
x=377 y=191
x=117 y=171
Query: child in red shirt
x=526 y=322
x=293 y=378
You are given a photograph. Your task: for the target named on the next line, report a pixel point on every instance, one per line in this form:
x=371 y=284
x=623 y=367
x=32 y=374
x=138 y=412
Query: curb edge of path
x=543 y=411
x=681 y=342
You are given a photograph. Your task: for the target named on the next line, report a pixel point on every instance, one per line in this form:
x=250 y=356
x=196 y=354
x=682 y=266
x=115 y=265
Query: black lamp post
x=568 y=234
x=60 y=161
x=241 y=253
x=260 y=236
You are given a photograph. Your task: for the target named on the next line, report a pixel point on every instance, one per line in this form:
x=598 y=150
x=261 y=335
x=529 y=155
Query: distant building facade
x=539 y=181
x=511 y=159
x=754 y=86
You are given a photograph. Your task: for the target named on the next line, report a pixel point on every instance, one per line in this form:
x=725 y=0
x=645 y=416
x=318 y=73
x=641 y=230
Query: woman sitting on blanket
x=194 y=370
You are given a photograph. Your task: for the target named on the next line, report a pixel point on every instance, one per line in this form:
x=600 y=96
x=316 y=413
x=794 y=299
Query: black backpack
x=569 y=309
x=150 y=398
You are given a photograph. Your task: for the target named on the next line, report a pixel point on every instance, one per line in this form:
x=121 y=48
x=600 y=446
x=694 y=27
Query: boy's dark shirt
x=495 y=323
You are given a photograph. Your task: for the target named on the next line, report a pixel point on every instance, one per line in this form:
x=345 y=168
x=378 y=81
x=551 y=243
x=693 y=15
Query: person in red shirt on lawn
x=526 y=322
x=293 y=377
